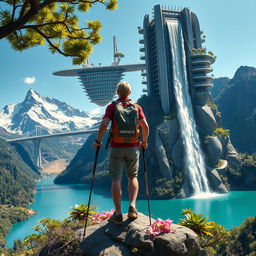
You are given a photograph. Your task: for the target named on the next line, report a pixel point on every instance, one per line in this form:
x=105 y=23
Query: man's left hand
x=144 y=144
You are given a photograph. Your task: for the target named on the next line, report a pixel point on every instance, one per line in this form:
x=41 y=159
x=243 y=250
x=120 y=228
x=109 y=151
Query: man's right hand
x=97 y=144
x=144 y=144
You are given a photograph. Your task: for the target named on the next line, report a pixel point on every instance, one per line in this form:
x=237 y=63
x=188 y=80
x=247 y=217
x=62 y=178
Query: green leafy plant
x=210 y=233
x=79 y=212
x=197 y=223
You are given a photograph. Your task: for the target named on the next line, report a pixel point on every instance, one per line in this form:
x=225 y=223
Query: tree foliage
x=29 y=23
x=242 y=241
x=9 y=215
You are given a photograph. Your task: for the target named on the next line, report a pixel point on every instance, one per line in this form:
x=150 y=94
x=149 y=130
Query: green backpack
x=125 y=125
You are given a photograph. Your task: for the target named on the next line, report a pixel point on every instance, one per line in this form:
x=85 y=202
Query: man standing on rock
x=127 y=118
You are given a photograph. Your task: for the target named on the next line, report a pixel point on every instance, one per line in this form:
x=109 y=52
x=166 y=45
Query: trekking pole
x=90 y=195
x=146 y=183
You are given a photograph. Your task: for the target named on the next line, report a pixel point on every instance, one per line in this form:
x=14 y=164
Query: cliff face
x=236 y=99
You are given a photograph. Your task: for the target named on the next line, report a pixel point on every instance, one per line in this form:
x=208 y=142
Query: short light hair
x=123 y=89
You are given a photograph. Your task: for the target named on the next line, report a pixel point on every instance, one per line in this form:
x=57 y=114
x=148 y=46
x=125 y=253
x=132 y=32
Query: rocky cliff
x=128 y=239
x=113 y=240
x=236 y=101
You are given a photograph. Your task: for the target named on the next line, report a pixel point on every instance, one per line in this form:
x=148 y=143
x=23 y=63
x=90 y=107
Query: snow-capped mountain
x=50 y=114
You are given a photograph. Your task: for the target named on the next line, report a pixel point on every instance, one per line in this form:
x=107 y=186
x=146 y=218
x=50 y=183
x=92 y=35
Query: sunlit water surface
x=54 y=201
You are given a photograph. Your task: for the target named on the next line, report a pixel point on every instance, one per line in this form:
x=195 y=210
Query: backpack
x=125 y=124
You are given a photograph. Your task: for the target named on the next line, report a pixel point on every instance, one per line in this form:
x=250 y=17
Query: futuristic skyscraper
x=177 y=72
x=159 y=57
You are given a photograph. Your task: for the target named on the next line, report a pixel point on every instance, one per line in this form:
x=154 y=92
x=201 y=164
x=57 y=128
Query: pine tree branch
x=22 y=11
x=34 y=6
x=13 y=10
x=23 y=19
x=47 y=38
x=17 y=37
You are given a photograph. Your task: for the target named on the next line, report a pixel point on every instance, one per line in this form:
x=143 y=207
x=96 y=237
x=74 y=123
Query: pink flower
x=160 y=226
x=105 y=215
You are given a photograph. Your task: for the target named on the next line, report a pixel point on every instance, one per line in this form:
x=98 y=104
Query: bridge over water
x=38 y=138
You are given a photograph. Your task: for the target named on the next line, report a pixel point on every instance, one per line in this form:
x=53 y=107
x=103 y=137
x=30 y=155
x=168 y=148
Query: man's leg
x=115 y=170
x=133 y=188
x=132 y=162
x=117 y=195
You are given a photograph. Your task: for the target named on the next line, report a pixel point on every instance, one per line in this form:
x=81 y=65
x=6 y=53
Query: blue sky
x=229 y=26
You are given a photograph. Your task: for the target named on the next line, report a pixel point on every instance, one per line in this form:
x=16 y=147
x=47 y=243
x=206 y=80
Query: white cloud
x=29 y=80
x=95 y=112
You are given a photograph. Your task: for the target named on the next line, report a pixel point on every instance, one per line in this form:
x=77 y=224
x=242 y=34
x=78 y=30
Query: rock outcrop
x=236 y=102
x=109 y=239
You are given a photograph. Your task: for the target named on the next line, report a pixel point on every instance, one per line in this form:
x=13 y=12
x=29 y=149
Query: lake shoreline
x=54 y=201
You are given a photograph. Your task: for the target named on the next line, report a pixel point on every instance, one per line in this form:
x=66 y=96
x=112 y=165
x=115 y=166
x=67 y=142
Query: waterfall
x=194 y=161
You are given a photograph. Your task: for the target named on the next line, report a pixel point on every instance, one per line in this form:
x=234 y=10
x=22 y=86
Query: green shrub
x=210 y=234
x=248 y=160
x=242 y=241
x=53 y=237
x=220 y=132
x=165 y=188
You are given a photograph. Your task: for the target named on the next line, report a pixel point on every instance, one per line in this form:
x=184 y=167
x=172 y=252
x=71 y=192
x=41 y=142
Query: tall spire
x=115 y=49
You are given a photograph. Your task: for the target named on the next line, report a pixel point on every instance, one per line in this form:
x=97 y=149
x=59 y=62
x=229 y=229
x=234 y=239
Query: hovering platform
x=99 y=82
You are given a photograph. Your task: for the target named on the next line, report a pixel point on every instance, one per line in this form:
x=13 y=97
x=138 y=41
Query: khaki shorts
x=124 y=157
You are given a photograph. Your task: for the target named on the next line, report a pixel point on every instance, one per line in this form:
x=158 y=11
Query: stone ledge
x=109 y=239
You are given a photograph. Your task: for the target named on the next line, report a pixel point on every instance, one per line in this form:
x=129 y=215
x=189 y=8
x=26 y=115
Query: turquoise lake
x=54 y=201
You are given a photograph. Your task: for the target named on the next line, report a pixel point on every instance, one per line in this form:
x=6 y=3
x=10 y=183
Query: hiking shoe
x=117 y=219
x=132 y=213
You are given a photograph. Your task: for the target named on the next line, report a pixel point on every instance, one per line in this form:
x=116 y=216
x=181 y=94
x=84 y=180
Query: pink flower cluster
x=159 y=227
x=105 y=215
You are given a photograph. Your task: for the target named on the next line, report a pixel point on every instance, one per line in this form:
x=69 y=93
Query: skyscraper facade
x=156 y=46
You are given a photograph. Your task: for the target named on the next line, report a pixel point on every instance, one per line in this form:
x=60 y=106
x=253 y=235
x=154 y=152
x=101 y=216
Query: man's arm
x=145 y=132
x=102 y=129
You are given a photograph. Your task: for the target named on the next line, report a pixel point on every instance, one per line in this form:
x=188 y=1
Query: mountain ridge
x=48 y=113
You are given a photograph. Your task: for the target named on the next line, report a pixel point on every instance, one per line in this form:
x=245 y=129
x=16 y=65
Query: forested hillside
x=17 y=179
x=17 y=183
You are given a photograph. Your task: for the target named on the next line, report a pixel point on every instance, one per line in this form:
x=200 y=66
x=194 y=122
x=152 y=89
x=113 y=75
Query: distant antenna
x=115 y=49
